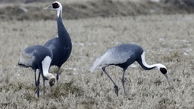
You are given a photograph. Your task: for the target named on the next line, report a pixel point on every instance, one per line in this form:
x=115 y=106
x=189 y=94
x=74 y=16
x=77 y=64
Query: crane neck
x=59 y=13
x=45 y=67
x=62 y=32
x=146 y=66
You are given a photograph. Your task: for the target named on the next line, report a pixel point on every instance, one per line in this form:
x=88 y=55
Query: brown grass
x=167 y=39
x=90 y=9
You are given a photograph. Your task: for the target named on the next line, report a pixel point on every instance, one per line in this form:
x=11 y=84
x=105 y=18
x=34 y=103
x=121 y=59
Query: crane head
x=56 y=6
x=52 y=82
x=51 y=79
x=163 y=70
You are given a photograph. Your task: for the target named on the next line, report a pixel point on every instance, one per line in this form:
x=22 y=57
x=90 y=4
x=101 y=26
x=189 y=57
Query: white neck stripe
x=45 y=67
x=158 y=66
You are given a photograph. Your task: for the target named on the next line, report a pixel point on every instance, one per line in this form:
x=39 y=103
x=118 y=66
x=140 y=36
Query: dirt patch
x=101 y=8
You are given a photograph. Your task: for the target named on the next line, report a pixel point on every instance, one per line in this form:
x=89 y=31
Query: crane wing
x=112 y=56
x=116 y=56
x=26 y=57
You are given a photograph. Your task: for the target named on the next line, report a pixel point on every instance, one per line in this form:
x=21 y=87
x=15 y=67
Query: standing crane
x=61 y=45
x=123 y=56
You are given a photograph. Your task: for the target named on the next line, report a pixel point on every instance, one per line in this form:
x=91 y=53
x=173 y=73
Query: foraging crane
x=61 y=45
x=122 y=56
x=39 y=59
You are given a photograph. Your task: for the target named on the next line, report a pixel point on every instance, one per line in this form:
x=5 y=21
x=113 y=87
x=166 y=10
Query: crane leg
x=115 y=86
x=60 y=70
x=57 y=77
x=37 y=85
x=44 y=86
x=58 y=73
x=35 y=72
x=35 y=76
x=123 y=81
x=43 y=79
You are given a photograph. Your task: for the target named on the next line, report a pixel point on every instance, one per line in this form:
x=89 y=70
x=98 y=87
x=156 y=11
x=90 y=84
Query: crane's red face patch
x=55 y=5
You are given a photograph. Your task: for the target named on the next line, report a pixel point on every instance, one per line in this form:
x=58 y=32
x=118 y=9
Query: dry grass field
x=167 y=39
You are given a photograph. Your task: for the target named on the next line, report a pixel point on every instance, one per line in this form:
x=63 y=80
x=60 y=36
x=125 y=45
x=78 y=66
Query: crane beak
x=169 y=82
x=167 y=79
x=48 y=7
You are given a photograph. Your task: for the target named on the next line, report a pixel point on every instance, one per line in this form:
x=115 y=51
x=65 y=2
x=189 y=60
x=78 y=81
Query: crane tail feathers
x=25 y=59
x=96 y=64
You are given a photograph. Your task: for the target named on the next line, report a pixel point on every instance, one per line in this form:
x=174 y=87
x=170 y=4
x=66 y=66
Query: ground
x=166 y=39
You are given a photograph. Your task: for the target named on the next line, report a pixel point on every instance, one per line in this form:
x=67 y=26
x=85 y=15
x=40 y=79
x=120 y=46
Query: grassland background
x=167 y=39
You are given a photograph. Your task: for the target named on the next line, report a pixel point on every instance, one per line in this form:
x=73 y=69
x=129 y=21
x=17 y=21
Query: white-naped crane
x=123 y=56
x=61 y=45
x=39 y=59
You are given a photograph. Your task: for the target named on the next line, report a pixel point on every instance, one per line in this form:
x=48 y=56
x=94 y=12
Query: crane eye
x=163 y=70
x=55 y=5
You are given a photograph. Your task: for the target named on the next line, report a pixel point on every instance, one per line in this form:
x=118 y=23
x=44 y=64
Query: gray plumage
x=60 y=46
x=123 y=56
x=38 y=58
x=33 y=56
